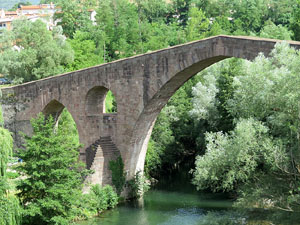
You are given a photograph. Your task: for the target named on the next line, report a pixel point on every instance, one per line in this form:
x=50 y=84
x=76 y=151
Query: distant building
x=37 y=9
x=44 y=12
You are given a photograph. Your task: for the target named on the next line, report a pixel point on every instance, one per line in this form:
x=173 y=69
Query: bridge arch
x=56 y=110
x=141 y=84
x=95 y=101
x=146 y=120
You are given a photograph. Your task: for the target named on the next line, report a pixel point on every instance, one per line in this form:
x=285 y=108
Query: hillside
x=7 y=4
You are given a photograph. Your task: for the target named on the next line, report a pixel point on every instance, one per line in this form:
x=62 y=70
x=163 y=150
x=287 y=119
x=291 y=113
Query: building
x=44 y=12
x=48 y=9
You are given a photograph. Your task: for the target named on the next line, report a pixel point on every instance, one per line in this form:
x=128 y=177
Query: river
x=174 y=201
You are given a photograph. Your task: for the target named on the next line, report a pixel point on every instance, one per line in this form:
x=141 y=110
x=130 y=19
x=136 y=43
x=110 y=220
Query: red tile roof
x=30 y=7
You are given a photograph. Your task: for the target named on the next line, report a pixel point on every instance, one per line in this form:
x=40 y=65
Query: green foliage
x=10 y=211
x=6 y=145
x=106 y=197
x=119 y=21
x=110 y=103
x=12 y=175
x=118 y=174
x=85 y=51
x=53 y=174
x=251 y=14
x=39 y=53
x=259 y=154
x=174 y=129
x=236 y=158
x=67 y=126
x=295 y=20
x=138 y=186
x=153 y=10
x=270 y=30
x=197 y=25
x=1 y=115
x=74 y=17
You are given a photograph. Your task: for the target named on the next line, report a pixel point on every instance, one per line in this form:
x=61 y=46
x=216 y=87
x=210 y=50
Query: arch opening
x=63 y=121
x=100 y=100
x=155 y=105
x=110 y=103
x=53 y=108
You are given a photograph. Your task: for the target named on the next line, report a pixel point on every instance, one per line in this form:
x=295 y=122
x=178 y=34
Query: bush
x=138 y=186
x=104 y=197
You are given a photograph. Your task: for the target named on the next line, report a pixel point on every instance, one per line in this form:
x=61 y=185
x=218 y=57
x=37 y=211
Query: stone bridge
x=142 y=85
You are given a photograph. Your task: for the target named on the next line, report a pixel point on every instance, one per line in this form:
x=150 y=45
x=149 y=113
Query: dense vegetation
x=263 y=148
x=10 y=212
x=239 y=119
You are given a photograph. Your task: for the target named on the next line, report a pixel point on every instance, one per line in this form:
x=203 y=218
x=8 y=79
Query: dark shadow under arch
x=53 y=108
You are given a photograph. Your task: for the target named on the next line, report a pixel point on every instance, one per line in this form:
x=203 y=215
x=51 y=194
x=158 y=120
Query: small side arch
x=96 y=99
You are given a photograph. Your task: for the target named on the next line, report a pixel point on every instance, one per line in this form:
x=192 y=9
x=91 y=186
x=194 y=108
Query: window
x=2 y=25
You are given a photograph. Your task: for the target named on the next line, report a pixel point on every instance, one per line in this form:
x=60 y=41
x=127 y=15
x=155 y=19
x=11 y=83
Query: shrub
x=138 y=185
x=104 y=197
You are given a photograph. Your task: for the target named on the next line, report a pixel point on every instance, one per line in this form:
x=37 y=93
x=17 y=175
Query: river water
x=174 y=201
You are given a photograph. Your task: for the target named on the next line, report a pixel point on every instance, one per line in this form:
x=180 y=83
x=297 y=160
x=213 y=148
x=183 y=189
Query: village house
x=44 y=12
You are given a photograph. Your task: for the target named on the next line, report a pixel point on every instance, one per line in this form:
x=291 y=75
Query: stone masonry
x=142 y=85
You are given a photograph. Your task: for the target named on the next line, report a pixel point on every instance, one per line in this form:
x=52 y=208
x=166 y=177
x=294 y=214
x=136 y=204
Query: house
x=43 y=12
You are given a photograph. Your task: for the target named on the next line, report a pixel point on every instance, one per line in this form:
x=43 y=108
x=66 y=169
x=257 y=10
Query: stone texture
x=142 y=85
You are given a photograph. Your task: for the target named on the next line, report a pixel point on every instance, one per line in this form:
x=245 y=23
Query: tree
x=197 y=25
x=251 y=14
x=73 y=16
x=270 y=30
x=31 y=52
x=235 y=158
x=10 y=212
x=118 y=20
x=85 y=51
x=53 y=176
x=153 y=10
x=260 y=158
x=295 y=21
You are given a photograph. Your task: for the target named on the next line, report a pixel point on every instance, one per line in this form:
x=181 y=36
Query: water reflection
x=173 y=202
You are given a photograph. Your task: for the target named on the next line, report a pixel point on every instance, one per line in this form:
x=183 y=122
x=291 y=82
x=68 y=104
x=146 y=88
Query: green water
x=174 y=201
